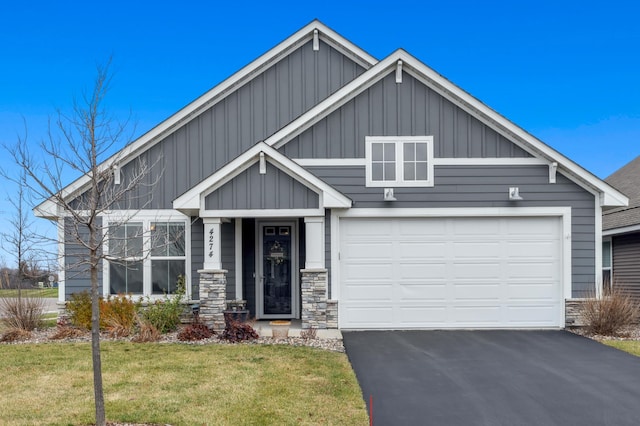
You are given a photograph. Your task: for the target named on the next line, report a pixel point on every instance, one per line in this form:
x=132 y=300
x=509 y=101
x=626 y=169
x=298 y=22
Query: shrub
x=15 y=335
x=147 y=332
x=309 y=334
x=117 y=315
x=238 y=332
x=608 y=315
x=79 y=309
x=165 y=314
x=195 y=331
x=66 y=331
x=22 y=313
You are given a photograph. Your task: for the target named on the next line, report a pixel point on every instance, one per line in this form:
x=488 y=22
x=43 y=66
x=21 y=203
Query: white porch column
x=212 y=244
x=314 y=246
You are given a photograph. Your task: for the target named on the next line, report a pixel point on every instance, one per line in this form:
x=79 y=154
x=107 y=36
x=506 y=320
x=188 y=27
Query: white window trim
x=146 y=217
x=399 y=142
x=610 y=267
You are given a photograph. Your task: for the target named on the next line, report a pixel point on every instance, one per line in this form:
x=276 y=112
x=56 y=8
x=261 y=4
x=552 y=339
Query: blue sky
x=566 y=71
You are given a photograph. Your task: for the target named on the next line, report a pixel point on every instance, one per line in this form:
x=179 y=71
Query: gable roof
x=192 y=202
x=610 y=197
x=627 y=180
x=48 y=209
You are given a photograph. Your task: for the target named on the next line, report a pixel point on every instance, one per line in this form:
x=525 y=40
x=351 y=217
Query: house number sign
x=212 y=247
x=211 y=242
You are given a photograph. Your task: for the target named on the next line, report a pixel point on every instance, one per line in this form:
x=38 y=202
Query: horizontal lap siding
x=462 y=186
x=406 y=109
x=244 y=117
x=626 y=263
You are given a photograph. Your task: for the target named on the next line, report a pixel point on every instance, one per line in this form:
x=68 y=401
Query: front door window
x=277 y=270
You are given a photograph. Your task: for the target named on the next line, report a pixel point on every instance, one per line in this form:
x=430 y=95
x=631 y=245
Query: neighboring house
x=621 y=233
x=322 y=184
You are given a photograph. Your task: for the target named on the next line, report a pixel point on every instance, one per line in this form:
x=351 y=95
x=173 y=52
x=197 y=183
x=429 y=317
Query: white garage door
x=450 y=273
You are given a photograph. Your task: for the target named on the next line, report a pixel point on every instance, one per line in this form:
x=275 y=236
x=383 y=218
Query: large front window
x=146 y=257
x=399 y=161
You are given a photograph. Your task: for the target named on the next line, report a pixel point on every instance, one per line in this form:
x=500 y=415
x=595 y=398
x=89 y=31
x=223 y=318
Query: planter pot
x=280 y=329
x=238 y=315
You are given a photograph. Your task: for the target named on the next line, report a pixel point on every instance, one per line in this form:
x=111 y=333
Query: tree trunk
x=95 y=339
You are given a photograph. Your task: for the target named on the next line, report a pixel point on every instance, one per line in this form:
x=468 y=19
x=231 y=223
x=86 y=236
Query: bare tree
x=79 y=143
x=18 y=236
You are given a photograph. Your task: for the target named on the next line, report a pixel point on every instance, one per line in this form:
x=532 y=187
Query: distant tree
x=19 y=241
x=80 y=142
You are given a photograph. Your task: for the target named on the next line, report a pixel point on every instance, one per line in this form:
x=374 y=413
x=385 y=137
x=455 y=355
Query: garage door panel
x=477 y=249
x=421 y=291
x=370 y=316
x=450 y=273
x=416 y=271
x=421 y=250
x=416 y=228
x=369 y=291
x=536 y=291
x=422 y=316
x=366 y=271
x=532 y=314
x=531 y=249
x=475 y=314
x=490 y=292
x=465 y=271
x=368 y=250
x=534 y=270
x=475 y=227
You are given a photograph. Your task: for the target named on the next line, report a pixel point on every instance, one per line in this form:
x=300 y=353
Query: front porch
x=276 y=265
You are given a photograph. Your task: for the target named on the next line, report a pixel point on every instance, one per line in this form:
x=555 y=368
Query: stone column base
x=213 y=294
x=317 y=311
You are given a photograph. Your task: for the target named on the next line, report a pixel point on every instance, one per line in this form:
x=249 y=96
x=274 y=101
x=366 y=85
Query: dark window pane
x=389 y=151
x=421 y=152
x=409 y=171
x=409 y=151
x=164 y=275
x=376 y=151
x=176 y=239
x=160 y=277
x=377 y=172
x=134 y=239
x=125 y=277
x=158 y=239
x=389 y=171
x=421 y=171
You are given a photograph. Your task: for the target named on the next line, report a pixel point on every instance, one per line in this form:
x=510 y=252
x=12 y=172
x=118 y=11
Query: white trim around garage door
x=499 y=212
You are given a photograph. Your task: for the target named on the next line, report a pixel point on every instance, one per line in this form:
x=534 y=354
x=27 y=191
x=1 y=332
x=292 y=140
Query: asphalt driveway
x=494 y=378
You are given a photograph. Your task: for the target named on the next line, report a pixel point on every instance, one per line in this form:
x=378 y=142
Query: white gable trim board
x=451 y=268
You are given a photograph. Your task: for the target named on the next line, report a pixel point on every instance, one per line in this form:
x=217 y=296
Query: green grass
x=180 y=385
x=30 y=292
x=630 y=346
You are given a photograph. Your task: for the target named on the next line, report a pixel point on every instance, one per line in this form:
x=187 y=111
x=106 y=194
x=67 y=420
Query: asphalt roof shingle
x=627 y=181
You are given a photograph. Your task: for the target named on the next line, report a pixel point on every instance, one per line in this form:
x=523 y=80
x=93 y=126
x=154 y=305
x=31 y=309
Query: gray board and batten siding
x=251 y=190
x=406 y=109
x=249 y=115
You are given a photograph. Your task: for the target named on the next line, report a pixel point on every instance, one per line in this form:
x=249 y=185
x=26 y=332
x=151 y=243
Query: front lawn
x=30 y=292
x=630 y=346
x=179 y=384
